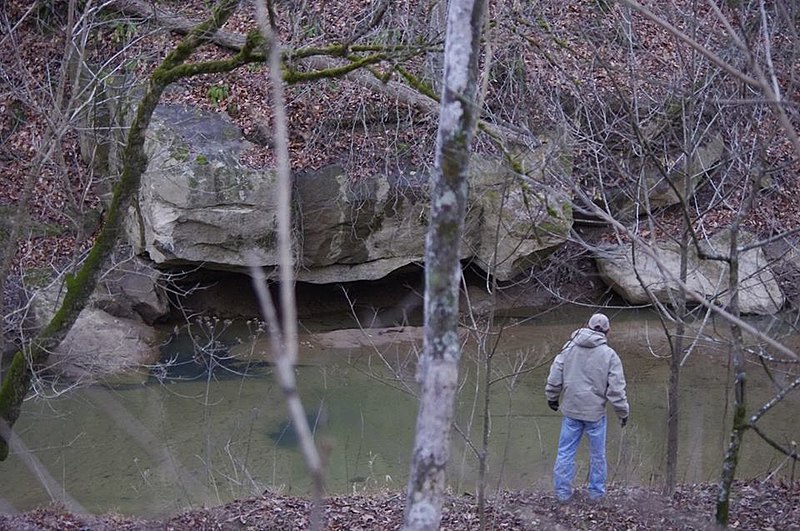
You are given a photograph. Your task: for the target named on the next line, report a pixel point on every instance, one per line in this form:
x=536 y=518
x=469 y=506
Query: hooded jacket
x=586 y=374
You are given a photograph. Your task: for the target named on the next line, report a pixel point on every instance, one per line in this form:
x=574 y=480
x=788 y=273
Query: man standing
x=585 y=375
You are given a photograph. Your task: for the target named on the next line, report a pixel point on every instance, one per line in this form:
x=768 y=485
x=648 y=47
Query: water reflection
x=208 y=436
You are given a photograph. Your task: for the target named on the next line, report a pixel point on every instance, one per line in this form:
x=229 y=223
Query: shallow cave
x=395 y=300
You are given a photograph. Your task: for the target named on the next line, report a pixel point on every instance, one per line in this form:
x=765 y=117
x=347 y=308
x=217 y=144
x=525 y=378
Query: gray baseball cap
x=599 y=322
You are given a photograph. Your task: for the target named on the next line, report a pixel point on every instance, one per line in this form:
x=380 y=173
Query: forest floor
x=754 y=505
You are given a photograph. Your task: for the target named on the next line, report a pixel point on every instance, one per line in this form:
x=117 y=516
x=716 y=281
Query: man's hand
x=553 y=404
x=623 y=421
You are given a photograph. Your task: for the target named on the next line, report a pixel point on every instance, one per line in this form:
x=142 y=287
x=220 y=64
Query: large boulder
x=102 y=347
x=514 y=221
x=358 y=230
x=663 y=184
x=199 y=205
x=639 y=278
x=132 y=289
x=112 y=336
x=784 y=257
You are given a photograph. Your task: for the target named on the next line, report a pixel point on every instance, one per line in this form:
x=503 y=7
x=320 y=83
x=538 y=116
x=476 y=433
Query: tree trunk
x=435 y=26
x=739 y=399
x=483 y=457
x=673 y=406
x=674 y=378
x=438 y=369
x=740 y=424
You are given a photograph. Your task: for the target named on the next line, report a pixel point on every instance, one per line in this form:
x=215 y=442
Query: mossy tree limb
x=293 y=77
x=322 y=62
x=17 y=380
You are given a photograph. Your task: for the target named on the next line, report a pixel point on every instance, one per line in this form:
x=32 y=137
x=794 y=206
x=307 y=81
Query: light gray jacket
x=586 y=374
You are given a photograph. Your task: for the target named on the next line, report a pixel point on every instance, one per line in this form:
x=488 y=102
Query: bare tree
x=759 y=74
x=17 y=379
x=629 y=129
x=58 y=108
x=283 y=336
x=438 y=366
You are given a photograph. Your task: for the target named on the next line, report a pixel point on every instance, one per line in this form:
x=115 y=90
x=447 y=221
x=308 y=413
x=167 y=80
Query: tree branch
x=323 y=62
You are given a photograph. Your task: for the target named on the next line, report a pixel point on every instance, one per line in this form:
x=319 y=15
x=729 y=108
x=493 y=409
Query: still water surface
x=187 y=439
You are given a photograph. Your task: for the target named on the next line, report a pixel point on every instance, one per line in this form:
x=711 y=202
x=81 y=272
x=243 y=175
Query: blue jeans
x=564 y=469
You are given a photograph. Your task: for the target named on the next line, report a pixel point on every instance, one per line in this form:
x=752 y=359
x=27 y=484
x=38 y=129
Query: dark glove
x=553 y=404
x=623 y=421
